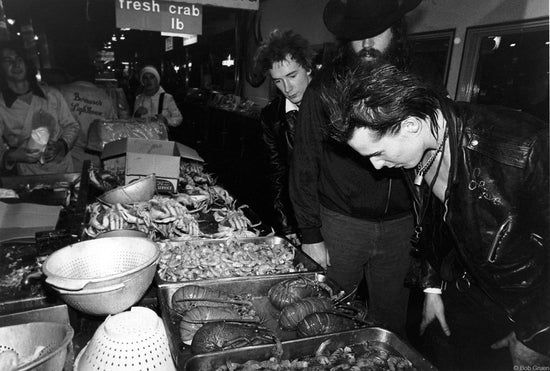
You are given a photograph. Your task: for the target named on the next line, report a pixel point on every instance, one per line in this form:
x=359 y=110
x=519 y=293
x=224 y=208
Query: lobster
x=224 y=335
x=320 y=323
x=193 y=319
x=294 y=289
x=294 y=313
x=191 y=296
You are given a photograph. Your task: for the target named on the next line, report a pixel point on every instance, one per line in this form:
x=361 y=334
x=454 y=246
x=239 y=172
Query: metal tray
x=293 y=349
x=299 y=257
x=257 y=286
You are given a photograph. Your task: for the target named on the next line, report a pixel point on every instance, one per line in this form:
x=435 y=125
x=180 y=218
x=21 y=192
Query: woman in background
x=154 y=102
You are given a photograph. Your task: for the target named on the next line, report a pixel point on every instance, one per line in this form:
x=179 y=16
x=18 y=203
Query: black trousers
x=475 y=322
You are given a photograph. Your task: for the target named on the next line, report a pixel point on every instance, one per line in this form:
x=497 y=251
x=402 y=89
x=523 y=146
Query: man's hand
x=521 y=354
x=318 y=252
x=293 y=237
x=434 y=309
x=54 y=149
x=161 y=118
x=22 y=154
x=140 y=112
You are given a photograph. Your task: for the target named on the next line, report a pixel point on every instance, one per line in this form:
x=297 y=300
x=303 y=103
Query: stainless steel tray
x=257 y=286
x=299 y=257
x=293 y=349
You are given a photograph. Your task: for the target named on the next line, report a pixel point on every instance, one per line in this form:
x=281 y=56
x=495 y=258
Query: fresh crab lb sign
x=170 y=16
x=159 y=15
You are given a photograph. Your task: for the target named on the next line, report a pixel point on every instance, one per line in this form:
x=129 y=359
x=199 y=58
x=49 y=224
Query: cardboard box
x=136 y=158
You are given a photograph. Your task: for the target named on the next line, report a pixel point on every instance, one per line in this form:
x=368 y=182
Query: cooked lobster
x=223 y=335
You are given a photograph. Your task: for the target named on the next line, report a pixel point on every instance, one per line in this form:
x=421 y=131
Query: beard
x=371 y=53
x=390 y=55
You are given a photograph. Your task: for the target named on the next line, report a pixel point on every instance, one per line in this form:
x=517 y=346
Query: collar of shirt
x=10 y=96
x=289 y=106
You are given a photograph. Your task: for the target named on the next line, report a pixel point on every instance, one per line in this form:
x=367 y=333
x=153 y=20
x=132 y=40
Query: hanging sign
x=169 y=43
x=239 y=4
x=159 y=15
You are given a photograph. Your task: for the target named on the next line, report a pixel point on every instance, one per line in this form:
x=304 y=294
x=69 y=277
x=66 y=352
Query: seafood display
x=196 y=306
x=294 y=289
x=199 y=199
x=223 y=335
x=370 y=348
x=311 y=308
x=362 y=356
x=189 y=260
x=188 y=307
x=165 y=217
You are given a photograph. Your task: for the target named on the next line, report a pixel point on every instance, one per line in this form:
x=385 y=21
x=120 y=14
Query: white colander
x=38 y=345
x=103 y=276
x=99 y=263
x=131 y=340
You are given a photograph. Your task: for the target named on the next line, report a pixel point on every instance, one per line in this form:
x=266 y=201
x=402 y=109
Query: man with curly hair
x=287 y=58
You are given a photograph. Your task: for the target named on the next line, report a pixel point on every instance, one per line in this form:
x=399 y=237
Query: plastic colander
x=38 y=345
x=103 y=276
x=131 y=340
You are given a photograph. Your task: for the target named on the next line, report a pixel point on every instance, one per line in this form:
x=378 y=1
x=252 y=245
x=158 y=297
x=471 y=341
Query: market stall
x=221 y=281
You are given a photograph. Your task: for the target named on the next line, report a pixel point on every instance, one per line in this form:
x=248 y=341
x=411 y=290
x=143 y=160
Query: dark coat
x=278 y=135
x=494 y=224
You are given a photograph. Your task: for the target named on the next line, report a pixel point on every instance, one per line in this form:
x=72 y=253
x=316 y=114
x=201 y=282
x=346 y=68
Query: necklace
x=421 y=169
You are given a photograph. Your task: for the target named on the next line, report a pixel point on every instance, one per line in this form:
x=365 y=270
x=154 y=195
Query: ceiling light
x=228 y=62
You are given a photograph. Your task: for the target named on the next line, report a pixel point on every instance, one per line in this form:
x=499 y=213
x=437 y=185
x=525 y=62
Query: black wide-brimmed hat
x=361 y=19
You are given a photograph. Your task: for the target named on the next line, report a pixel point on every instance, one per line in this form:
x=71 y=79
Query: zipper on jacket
x=388 y=198
x=499 y=236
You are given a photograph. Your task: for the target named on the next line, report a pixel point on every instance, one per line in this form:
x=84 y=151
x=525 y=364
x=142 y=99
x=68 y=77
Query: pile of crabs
x=211 y=320
x=173 y=216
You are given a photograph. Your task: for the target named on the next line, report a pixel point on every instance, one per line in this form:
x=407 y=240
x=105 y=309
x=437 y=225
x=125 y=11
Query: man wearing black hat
x=355 y=220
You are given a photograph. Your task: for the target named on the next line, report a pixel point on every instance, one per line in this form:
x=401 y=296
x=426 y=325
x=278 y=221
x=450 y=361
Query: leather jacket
x=495 y=220
x=278 y=135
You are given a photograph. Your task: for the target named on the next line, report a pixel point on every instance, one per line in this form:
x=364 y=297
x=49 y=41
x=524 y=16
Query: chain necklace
x=421 y=169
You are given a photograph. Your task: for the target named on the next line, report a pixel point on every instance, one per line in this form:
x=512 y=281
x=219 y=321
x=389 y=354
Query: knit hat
x=149 y=69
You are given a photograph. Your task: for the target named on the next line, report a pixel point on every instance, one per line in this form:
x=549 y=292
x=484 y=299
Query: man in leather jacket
x=481 y=201
x=288 y=59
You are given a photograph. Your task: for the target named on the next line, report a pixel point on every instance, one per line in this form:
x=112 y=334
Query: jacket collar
x=157 y=94
x=10 y=96
x=455 y=127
